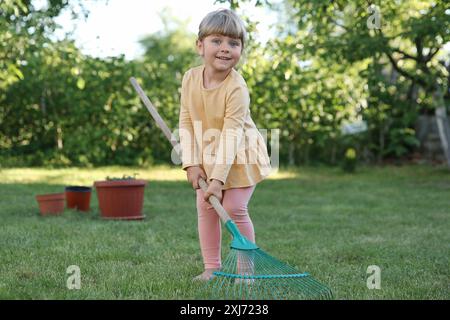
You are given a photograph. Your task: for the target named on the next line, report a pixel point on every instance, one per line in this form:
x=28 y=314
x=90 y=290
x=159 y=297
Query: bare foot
x=205 y=276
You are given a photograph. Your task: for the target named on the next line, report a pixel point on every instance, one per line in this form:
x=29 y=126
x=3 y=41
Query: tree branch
x=403 y=72
x=431 y=54
x=419 y=48
x=405 y=55
x=339 y=25
x=394 y=63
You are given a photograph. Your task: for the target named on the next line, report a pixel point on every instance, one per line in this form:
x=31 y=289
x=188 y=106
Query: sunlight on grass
x=283 y=174
x=87 y=176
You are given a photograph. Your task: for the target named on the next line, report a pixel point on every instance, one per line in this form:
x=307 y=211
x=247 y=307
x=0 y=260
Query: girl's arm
x=189 y=150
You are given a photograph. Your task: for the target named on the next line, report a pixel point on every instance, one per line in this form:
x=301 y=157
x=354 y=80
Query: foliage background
x=325 y=68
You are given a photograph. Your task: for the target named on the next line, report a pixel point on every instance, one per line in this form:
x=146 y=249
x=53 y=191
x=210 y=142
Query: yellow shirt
x=217 y=132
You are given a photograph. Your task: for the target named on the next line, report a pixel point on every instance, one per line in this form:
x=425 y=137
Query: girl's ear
x=199 y=45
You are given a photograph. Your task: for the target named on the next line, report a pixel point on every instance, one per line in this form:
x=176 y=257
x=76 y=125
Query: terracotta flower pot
x=51 y=204
x=78 y=197
x=121 y=199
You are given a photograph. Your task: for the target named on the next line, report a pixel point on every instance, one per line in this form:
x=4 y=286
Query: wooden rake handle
x=223 y=214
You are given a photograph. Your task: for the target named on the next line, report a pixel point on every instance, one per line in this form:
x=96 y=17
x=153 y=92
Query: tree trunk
x=381 y=145
x=333 y=152
x=291 y=154
x=442 y=124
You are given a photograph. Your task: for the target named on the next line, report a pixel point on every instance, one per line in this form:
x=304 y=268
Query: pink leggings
x=235 y=202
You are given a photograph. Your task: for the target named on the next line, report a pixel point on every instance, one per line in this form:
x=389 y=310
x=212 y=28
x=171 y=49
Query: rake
x=248 y=272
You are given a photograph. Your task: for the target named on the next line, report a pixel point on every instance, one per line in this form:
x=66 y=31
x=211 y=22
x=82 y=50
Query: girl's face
x=220 y=52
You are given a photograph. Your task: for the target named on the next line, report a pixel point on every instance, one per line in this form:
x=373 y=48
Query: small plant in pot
x=121 y=198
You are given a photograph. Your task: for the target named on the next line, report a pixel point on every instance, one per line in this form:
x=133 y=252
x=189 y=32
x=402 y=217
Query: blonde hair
x=224 y=22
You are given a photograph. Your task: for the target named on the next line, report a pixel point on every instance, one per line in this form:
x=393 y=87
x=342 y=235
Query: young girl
x=219 y=140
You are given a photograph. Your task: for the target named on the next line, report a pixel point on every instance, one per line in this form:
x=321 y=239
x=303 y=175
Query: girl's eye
x=216 y=41
x=234 y=43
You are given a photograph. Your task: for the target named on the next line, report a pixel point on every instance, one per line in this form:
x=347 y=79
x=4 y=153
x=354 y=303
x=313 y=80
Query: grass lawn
x=325 y=222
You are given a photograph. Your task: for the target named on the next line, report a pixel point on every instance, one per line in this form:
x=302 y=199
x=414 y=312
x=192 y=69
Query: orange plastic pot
x=121 y=199
x=78 y=198
x=51 y=204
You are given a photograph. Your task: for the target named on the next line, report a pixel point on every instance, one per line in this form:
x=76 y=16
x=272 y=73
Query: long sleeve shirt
x=217 y=132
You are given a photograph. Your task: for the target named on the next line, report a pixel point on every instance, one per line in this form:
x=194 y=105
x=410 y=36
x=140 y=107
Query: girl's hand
x=193 y=174
x=214 y=189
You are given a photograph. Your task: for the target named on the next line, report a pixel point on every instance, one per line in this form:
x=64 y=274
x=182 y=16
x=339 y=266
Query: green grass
x=325 y=222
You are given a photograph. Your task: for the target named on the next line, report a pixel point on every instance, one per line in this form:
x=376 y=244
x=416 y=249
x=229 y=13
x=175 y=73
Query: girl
x=215 y=104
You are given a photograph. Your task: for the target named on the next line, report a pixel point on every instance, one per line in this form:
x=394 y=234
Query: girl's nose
x=224 y=48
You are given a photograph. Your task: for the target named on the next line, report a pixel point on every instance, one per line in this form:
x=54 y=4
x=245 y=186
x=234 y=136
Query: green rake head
x=249 y=273
x=239 y=241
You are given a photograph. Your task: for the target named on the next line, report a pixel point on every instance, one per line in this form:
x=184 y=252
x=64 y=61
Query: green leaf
x=81 y=83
